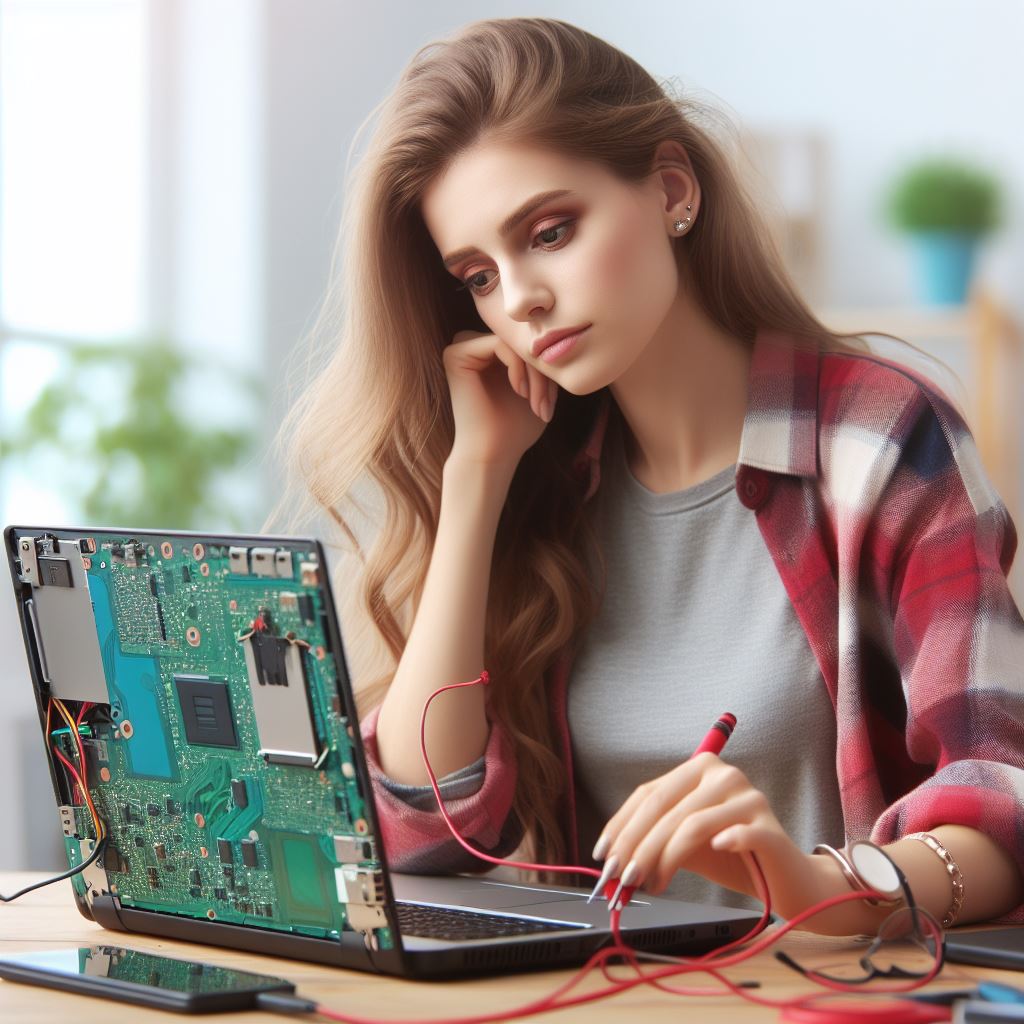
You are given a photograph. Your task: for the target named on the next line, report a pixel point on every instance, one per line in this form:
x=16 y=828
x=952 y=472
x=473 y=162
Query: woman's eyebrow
x=512 y=220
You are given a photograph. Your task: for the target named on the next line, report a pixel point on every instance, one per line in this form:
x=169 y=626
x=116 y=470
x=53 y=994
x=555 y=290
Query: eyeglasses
x=895 y=952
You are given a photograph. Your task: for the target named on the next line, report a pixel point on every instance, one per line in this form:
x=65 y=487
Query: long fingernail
x=545 y=410
x=600 y=848
x=523 y=390
x=628 y=878
x=610 y=867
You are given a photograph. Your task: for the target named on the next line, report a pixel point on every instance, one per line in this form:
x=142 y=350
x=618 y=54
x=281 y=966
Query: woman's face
x=599 y=255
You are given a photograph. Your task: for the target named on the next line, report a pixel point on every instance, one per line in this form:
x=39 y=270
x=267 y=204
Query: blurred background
x=171 y=173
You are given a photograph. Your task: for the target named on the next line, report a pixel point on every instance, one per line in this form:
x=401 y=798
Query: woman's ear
x=672 y=175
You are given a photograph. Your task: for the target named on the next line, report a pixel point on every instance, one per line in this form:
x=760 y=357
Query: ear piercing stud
x=682 y=225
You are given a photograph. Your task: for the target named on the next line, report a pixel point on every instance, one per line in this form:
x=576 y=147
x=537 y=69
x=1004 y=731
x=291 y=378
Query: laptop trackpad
x=473 y=892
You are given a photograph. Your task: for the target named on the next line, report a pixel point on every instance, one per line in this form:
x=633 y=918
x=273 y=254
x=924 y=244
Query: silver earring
x=682 y=225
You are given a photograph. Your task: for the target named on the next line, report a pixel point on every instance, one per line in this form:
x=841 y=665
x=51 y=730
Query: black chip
x=249 y=857
x=225 y=852
x=220 y=894
x=152 y=584
x=54 y=572
x=140 y=841
x=306 y=607
x=242 y=890
x=195 y=878
x=268 y=910
x=239 y=793
x=172 y=808
x=186 y=574
x=195 y=892
x=206 y=710
x=154 y=810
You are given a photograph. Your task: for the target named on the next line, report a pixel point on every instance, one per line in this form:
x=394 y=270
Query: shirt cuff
x=463 y=782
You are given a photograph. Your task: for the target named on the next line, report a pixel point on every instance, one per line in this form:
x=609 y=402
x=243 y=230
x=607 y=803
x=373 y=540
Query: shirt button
x=753 y=489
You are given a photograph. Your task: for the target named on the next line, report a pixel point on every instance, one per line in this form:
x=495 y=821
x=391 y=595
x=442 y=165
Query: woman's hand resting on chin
x=500 y=403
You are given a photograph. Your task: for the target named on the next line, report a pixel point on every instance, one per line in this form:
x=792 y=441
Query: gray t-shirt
x=695 y=621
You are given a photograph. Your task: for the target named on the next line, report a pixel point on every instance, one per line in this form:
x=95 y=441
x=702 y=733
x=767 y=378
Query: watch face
x=875 y=868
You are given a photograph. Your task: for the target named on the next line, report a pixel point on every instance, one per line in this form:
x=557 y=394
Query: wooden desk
x=48 y=919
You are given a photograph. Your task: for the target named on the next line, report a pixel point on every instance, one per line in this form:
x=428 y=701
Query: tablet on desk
x=988 y=947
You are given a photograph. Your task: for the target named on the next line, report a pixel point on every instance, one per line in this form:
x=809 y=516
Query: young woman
x=621 y=465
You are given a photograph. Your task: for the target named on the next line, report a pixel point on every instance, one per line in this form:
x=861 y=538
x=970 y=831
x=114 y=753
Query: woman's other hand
x=500 y=404
x=701 y=817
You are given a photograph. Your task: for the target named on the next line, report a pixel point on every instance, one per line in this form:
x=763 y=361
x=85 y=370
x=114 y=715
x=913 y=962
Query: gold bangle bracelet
x=955 y=875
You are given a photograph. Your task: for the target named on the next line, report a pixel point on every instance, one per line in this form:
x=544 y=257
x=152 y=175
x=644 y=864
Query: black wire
x=100 y=847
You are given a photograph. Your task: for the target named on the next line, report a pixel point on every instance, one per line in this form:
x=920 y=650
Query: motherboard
x=194 y=714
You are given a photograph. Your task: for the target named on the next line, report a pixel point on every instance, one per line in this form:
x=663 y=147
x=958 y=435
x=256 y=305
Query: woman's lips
x=562 y=347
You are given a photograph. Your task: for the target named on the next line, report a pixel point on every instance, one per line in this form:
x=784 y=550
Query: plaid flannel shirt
x=893 y=548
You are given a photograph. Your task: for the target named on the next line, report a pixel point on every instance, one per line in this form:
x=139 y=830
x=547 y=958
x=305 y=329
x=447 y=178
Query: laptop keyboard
x=452 y=924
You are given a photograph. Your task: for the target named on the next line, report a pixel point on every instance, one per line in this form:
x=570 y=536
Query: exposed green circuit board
x=216 y=744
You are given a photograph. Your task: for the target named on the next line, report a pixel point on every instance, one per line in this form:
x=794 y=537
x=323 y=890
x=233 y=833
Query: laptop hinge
x=105 y=911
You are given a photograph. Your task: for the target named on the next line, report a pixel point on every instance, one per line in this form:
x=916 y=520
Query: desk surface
x=48 y=919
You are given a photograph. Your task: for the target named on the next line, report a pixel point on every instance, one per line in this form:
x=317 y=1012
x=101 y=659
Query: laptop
x=197 y=685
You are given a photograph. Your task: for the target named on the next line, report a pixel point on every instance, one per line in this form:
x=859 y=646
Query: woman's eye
x=543 y=237
x=553 y=230
x=469 y=282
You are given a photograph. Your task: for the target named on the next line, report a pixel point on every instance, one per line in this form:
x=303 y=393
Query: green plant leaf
x=944 y=194
x=152 y=465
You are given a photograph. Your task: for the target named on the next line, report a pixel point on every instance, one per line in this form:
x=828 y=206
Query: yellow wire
x=97 y=821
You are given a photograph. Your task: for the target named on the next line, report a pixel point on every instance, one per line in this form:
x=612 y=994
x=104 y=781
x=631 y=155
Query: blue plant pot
x=945 y=263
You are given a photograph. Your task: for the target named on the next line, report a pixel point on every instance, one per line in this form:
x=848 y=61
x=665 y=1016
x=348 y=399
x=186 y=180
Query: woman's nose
x=525 y=296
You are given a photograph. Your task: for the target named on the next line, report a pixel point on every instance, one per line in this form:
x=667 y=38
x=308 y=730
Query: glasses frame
x=871 y=970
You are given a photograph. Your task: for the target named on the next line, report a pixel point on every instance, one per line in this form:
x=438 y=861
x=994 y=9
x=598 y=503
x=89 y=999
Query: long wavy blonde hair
x=373 y=420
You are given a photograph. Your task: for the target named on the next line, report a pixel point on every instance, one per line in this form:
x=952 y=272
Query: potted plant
x=113 y=427
x=947 y=205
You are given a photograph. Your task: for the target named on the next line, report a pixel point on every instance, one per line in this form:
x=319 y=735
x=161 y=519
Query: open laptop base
x=199 y=683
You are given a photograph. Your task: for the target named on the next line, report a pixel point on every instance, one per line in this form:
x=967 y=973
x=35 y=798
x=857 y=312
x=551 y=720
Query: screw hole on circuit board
x=167 y=549
x=198 y=551
x=127 y=730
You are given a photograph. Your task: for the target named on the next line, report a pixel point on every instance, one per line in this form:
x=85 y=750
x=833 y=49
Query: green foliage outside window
x=114 y=417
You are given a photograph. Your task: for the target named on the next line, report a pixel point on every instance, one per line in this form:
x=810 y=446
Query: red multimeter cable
x=799 y=1009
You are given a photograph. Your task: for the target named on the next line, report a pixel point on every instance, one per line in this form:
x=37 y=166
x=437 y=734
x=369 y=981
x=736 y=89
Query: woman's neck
x=684 y=401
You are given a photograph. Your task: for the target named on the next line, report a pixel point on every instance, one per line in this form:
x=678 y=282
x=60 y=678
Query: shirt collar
x=780 y=428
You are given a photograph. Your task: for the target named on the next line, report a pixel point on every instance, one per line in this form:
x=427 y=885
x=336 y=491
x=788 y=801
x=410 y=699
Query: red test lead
x=615 y=889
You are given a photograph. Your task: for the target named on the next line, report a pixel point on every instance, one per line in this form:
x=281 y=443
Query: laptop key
x=453 y=924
